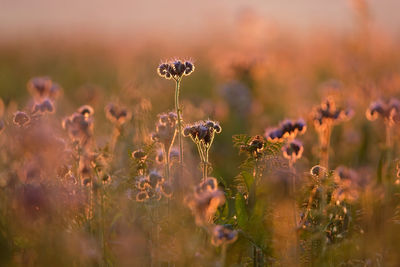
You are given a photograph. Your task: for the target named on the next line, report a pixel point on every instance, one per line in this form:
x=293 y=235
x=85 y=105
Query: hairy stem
x=178 y=113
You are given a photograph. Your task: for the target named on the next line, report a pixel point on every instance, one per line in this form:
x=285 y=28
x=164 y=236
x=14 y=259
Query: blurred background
x=257 y=62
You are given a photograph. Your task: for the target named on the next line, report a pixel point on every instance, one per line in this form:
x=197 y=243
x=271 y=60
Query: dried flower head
x=287 y=129
x=293 y=150
x=389 y=111
x=175 y=69
x=222 y=235
x=328 y=114
x=117 y=114
x=21 y=118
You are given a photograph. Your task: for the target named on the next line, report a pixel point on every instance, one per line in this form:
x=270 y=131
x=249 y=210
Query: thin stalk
x=223 y=255
x=113 y=142
x=293 y=174
x=178 y=113
x=325 y=139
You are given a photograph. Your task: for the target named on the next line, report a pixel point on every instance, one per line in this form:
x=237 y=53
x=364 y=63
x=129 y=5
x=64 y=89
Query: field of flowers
x=243 y=150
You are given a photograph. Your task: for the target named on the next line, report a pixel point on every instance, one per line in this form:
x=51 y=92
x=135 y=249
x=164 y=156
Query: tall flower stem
x=178 y=113
x=325 y=139
x=293 y=174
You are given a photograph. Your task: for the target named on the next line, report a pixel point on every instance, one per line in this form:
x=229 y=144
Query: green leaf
x=241 y=213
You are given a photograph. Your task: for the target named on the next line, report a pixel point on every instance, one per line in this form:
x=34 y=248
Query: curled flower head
x=318 y=171
x=388 y=111
x=328 y=114
x=202 y=131
x=143 y=182
x=175 y=69
x=117 y=114
x=287 y=129
x=205 y=201
x=223 y=235
x=165 y=128
x=293 y=150
x=21 y=118
x=254 y=147
x=141 y=196
x=45 y=106
x=139 y=154
x=86 y=110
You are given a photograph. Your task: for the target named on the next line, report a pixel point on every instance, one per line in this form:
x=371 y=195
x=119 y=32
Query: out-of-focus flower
x=43 y=87
x=222 y=235
x=117 y=114
x=21 y=118
x=328 y=114
x=389 y=111
x=205 y=201
x=287 y=129
x=293 y=150
x=44 y=106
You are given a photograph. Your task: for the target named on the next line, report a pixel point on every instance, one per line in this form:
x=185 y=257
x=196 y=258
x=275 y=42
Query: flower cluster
x=175 y=69
x=389 y=111
x=328 y=114
x=79 y=125
x=205 y=201
x=202 y=132
x=117 y=114
x=288 y=129
x=152 y=186
x=165 y=129
x=222 y=235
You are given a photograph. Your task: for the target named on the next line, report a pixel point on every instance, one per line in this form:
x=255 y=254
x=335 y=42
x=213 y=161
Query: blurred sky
x=20 y=18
